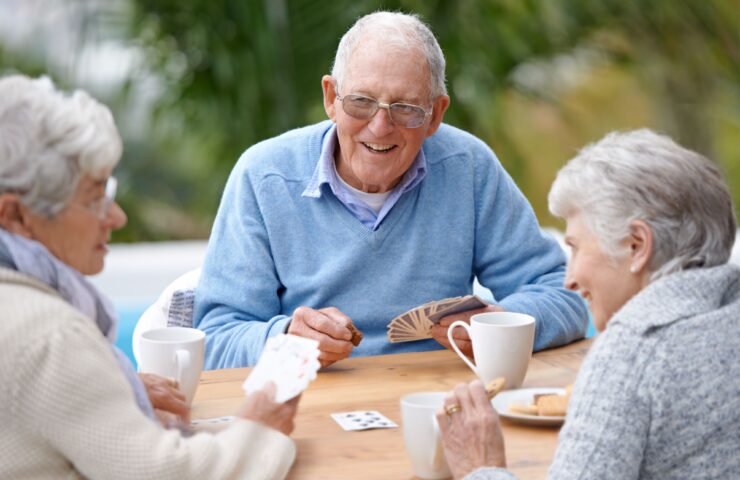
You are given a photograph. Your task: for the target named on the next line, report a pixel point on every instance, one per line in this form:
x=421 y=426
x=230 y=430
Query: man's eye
x=363 y=102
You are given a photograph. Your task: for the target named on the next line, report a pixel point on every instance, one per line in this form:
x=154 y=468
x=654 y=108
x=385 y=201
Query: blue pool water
x=128 y=315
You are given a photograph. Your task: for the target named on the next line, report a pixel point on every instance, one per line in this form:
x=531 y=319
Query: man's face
x=374 y=153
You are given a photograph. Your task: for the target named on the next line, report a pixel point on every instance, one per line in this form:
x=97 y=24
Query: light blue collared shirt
x=326 y=173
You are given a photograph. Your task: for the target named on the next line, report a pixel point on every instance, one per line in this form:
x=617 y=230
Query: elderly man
x=379 y=210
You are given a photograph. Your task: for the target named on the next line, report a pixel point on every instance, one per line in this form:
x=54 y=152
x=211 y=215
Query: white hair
x=400 y=30
x=49 y=140
x=641 y=175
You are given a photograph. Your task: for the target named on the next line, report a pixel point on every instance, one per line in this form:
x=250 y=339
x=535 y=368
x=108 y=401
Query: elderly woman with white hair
x=72 y=406
x=651 y=227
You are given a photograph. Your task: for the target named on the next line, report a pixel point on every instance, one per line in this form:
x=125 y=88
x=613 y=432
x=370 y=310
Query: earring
x=633 y=269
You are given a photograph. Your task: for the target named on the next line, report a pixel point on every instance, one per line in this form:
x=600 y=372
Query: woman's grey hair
x=49 y=140
x=404 y=31
x=641 y=175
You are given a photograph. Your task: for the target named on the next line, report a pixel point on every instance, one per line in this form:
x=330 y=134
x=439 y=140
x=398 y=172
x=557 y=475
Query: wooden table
x=325 y=451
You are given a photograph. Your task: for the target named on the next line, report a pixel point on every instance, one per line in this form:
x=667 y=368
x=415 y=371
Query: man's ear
x=438 y=113
x=330 y=94
x=640 y=246
x=12 y=215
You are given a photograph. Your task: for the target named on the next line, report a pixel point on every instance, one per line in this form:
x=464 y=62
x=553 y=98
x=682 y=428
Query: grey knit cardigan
x=658 y=395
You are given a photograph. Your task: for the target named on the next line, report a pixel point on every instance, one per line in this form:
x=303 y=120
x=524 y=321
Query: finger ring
x=452 y=409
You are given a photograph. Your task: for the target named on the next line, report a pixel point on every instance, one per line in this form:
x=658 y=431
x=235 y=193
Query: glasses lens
x=111 y=187
x=409 y=116
x=359 y=107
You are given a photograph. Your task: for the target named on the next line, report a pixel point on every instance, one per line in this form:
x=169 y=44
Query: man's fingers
x=340 y=320
x=328 y=321
x=327 y=358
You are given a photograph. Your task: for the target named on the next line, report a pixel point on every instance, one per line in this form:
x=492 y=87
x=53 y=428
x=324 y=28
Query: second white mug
x=502 y=345
x=421 y=434
x=175 y=352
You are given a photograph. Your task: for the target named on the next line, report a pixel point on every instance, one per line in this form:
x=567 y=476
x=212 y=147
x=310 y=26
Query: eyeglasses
x=402 y=114
x=101 y=205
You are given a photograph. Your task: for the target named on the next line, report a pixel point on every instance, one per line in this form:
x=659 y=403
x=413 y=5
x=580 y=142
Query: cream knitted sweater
x=67 y=411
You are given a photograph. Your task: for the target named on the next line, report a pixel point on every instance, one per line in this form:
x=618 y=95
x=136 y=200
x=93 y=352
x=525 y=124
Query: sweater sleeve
x=523 y=267
x=237 y=303
x=68 y=388
x=490 y=473
x=608 y=421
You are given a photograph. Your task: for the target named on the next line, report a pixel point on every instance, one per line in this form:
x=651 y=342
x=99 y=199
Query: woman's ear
x=12 y=215
x=640 y=245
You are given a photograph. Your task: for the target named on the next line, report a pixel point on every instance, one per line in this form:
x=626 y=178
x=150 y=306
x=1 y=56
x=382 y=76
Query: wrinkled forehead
x=394 y=67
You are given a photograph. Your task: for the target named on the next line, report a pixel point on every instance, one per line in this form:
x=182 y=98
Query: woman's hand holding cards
x=261 y=407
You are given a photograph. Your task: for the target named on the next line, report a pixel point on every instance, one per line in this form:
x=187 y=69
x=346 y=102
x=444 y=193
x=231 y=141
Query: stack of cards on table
x=416 y=324
x=289 y=361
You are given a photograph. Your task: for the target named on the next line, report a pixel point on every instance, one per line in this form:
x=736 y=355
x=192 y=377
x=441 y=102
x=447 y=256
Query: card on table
x=363 y=420
x=289 y=361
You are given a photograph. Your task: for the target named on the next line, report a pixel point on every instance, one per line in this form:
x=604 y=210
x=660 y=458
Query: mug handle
x=460 y=323
x=183 y=365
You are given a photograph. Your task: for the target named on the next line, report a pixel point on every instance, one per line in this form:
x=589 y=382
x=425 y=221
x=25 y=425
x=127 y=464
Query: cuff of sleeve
x=267 y=452
x=278 y=326
x=490 y=473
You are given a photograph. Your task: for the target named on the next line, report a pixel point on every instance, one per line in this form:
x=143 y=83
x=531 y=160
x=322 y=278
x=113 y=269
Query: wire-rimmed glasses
x=401 y=114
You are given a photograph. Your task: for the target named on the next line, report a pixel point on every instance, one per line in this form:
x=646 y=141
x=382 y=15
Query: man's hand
x=328 y=326
x=165 y=397
x=260 y=406
x=462 y=339
x=471 y=436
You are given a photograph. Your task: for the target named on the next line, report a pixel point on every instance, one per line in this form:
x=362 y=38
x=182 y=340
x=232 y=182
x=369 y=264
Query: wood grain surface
x=327 y=452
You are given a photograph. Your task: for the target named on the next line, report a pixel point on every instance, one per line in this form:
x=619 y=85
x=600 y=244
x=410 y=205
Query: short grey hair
x=641 y=175
x=401 y=30
x=49 y=140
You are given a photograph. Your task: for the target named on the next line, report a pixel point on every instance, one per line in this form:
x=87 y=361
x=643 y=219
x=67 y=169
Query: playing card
x=469 y=302
x=363 y=420
x=289 y=361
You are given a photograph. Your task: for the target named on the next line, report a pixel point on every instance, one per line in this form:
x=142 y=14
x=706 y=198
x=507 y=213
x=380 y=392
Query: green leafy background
x=535 y=79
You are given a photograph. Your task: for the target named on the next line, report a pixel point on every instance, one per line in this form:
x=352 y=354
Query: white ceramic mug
x=421 y=434
x=502 y=345
x=175 y=352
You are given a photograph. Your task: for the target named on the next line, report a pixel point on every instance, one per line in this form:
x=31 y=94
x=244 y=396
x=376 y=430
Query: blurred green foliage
x=534 y=79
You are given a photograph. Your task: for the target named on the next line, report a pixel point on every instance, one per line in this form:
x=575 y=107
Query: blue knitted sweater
x=272 y=249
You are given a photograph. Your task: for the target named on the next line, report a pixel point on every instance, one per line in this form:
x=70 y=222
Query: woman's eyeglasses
x=101 y=205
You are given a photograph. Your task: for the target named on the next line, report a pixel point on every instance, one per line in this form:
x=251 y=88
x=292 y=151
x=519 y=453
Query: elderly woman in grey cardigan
x=650 y=226
x=72 y=406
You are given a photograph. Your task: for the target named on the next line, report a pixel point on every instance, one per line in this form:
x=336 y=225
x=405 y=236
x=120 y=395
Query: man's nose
x=381 y=123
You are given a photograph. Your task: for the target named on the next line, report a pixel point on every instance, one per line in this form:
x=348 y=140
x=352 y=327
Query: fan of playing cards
x=289 y=361
x=416 y=324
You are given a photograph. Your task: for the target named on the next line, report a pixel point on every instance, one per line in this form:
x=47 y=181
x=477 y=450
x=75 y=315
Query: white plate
x=525 y=396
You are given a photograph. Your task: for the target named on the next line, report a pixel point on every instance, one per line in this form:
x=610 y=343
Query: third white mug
x=502 y=345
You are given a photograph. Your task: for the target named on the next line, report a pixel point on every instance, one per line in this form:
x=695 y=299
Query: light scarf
x=33 y=259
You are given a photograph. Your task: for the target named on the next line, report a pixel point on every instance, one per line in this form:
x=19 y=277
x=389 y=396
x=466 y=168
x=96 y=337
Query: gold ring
x=450 y=409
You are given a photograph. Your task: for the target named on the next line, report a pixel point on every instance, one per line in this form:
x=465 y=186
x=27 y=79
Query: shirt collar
x=325 y=171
